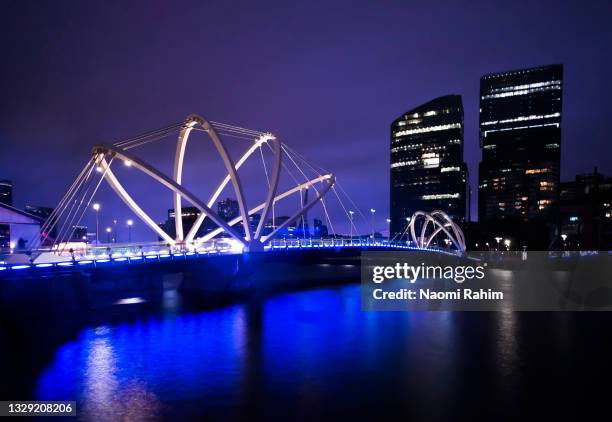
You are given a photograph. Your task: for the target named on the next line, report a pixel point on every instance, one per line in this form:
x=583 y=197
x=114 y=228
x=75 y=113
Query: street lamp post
x=351 y=224
x=389 y=230
x=406 y=231
x=108 y=234
x=130 y=223
x=372 y=211
x=564 y=237
x=507 y=243
x=115 y=230
x=498 y=239
x=96 y=208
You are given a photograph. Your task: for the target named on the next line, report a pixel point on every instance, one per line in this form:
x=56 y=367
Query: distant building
x=17 y=228
x=43 y=213
x=320 y=229
x=6 y=192
x=289 y=232
x=427 y=167
x=585 y=213
x=189 y=216
x=228 y=209
x=520 y=137
x=79 y=234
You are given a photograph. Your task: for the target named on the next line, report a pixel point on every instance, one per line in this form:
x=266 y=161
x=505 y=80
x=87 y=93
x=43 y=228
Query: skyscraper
x=427 y=168
x=520 y=137
x=6 y=192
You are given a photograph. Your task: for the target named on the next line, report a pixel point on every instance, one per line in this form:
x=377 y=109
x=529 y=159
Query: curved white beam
x=460 y=237
x=129 y=201
x=170 y=184
x=422 y=241
x=271 y=189
x=263 y=204
x=178 y=175
x=211 y=202
x=191 y=122
x=330 y=182
x=252 y=240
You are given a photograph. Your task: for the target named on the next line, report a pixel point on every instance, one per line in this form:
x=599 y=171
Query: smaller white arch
x=440 y=222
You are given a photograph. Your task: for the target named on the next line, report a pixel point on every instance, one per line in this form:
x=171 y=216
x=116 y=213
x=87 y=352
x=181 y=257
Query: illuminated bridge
x=240 y=235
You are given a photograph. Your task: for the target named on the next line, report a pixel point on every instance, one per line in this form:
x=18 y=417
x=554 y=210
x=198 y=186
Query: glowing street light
x=108 y=232
x=564 y=237
x=498 y=239
x=507 y=243
x=96 y=208
x=130 y=223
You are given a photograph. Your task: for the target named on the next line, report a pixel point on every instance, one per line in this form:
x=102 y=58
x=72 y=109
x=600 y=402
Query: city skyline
x=364 y=99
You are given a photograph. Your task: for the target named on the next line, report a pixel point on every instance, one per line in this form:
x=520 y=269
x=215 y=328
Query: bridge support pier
x=255 y=245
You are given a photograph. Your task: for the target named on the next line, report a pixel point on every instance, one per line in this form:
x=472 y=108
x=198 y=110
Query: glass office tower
x=427 y=168
x=520 y=137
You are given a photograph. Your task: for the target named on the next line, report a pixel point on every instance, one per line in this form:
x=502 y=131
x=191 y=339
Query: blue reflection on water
x=302 y=348
x=136 y=365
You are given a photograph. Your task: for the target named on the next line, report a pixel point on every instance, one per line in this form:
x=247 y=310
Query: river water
x=313 y=355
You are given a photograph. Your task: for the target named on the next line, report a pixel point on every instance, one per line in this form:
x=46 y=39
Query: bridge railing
x=334 y=243
x=80 y=251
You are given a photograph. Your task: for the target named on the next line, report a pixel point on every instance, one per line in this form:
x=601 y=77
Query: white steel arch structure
x=438 y=222
x=104 y=155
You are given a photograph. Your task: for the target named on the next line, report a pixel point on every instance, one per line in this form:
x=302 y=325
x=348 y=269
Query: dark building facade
x=17 y=227
x=427 y=167
x=585 y=213
x=43 y=213
x=79 y=234
x=520 y=138
x=228 y=209
x=6 y=192
x=189 y=215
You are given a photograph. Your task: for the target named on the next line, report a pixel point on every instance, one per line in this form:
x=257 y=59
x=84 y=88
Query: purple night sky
x=327 y=77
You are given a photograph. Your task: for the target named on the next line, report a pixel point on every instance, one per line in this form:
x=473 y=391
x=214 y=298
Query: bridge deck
x=115 y=259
